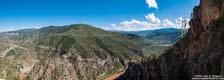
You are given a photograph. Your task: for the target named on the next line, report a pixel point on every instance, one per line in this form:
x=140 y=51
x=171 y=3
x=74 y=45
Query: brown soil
x=113 y=77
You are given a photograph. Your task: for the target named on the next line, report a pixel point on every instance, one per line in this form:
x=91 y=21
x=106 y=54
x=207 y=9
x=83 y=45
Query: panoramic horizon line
x=91 y=26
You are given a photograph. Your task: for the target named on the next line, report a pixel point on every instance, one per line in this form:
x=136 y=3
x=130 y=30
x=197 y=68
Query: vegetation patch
x=15 y=52
x=11 y=52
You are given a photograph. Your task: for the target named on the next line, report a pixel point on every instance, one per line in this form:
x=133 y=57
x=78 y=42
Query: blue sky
x=108 y=14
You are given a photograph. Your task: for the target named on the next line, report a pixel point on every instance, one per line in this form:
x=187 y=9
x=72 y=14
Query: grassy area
x=15 y=52
x=87 y=39
x=11 y=52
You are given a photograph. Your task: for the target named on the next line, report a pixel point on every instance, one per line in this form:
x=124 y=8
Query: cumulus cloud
x=151 y=23
x=152 y=4
x=179 y=22
x=151 y=17
x=9 y=29
x=167 y=22
x=132 y=22
x=113 y=25
x=132 y=25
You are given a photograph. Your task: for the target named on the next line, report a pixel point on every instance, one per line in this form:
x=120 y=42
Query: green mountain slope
x=81 y=52
x=86 y=39
x=75 y=52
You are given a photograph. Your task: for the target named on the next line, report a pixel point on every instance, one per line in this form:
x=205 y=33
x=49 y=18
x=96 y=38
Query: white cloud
x=11 y=29
x=152 y=4
x=151 y=23
x=167 y=22
x=151 y=17
x=8 y=29
x=179 y=22
x=113 y=25
x=133 y=24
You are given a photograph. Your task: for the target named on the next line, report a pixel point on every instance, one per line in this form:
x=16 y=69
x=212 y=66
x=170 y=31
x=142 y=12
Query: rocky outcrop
x=200 y=52
x=73 y=67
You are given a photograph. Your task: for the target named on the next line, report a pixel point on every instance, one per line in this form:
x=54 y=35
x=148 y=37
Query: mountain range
x=77 y=51
x=85 y=52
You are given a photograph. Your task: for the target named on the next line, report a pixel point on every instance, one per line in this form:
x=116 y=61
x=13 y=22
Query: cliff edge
x=200 y=52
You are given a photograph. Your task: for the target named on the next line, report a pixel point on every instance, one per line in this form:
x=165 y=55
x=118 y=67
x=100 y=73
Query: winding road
x=6 y=51
x=12 y=46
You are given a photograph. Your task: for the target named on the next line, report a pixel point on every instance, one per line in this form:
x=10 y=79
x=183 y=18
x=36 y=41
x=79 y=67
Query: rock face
x=200 y=52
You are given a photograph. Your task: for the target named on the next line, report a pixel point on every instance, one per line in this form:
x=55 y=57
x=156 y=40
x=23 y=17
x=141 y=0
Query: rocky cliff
x=200 y=52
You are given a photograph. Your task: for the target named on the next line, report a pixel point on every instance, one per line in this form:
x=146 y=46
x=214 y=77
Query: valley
x=76 y=51
x=111 y=40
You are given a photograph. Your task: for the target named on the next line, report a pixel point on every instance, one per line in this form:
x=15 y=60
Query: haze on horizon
x=128 y=15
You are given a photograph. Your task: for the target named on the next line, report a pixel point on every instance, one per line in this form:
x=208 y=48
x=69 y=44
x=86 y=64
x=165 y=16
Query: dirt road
x=113 y=77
